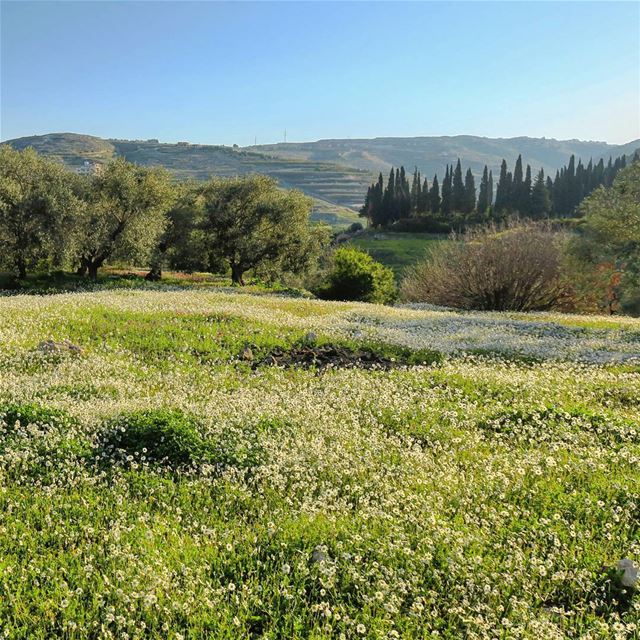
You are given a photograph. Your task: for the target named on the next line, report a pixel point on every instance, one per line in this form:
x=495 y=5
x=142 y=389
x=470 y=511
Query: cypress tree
x=516 y=192
x=469 y=192
x=445 y=205
x=434 y=196
x=540 y=201
x=458 y=196
x=388 y=200
x=404 y=196
x=490 y=190
x=502 y=190
x=377 y=213
x=525 y=194
x=483 y=196
x=416 y=192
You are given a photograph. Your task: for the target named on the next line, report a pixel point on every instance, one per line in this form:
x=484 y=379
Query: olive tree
x=250 y=223
x=181 y=244
x=123 y=216
x=37 y=208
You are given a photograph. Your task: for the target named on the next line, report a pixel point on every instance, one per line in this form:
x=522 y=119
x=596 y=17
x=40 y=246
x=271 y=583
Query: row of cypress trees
x=516 y=192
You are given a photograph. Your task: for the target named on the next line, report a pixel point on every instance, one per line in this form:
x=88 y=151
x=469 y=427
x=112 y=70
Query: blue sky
x=216 y=72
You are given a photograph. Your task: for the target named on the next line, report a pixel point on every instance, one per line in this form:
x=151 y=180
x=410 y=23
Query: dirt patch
x=328 y=356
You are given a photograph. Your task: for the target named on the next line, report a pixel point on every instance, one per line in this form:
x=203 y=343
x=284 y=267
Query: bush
x=159 y=436
x=516 y=267
x=355 y=275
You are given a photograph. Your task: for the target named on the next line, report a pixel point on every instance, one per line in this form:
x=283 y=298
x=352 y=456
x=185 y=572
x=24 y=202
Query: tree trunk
x=93 y=265
x=22 y=268
x=82 y=269
x=236 y=274
x=155 y=274
x=93 y=270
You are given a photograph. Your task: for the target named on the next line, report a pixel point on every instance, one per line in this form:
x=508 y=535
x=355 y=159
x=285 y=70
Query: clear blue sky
x=215 y=72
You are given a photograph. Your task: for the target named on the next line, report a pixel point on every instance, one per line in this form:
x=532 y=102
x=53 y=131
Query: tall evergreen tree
x=517 y=187
x=458 y=196
x=503 y=188
x=483 y=196
x=434 y=196
x=416 y=192
x=490 y=190
x=525 y=194
x=388 y=200
x=469 y=192
x=445 y=205
x=540 y=200
x=404 y=196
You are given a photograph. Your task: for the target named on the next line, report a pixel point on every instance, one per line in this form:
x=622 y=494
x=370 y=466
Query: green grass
x=157 y=486
x=396 y=250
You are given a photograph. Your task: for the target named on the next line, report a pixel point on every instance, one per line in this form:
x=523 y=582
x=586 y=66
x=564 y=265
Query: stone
x=51 y=346
x=629 y=569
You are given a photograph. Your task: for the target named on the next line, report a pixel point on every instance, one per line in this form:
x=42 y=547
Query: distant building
x=88 y=168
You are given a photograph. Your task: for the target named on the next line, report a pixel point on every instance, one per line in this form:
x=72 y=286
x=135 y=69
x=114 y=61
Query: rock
x=319 y=555
x=247 y=354
x=51 y=346
x=629 y=569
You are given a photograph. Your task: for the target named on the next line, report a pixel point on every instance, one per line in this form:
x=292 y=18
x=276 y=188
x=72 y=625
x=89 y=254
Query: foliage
x=608 y=246
x=516 y=267
x=354 y=275
x=123 y=214
x=182 y=244
x=252 y=224
x=37 y=203
x=516 y=193
x=157 y=436
x=26 y=414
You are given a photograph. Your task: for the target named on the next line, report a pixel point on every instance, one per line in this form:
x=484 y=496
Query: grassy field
x=396 y=250
x=159 y=479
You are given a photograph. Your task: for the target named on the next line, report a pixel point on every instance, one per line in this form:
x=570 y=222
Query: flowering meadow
x=155 y=482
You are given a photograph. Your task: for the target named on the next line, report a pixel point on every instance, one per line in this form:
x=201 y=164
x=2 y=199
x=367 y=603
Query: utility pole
x=285 y=135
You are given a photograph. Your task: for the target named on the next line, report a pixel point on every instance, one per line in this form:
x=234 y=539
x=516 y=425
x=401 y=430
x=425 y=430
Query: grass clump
x=161 y=436
x=13 y=414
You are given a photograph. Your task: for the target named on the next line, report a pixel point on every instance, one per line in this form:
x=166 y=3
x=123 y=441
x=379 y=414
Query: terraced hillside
x=170 y=467
x=431 y=153
x=337 y=191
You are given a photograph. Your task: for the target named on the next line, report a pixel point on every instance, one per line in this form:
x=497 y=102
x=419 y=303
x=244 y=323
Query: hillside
x=431 y=154
x=337 y=190
x=336 y=173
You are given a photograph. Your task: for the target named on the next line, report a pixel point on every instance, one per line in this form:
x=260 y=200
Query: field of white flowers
x=155 y=482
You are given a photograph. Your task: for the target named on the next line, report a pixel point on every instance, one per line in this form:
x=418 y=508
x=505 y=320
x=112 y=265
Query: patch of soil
x=327 y=356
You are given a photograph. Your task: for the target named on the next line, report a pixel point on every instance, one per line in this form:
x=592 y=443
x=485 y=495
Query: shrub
x=516 y=267
x=355 y=275
x=160 y=436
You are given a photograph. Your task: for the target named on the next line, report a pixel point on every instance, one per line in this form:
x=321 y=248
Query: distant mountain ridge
x=336 y=173
x=430 y=154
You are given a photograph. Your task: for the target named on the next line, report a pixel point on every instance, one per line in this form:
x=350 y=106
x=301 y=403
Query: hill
x=335 y=173
x=337 y=190
x=431 y=154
